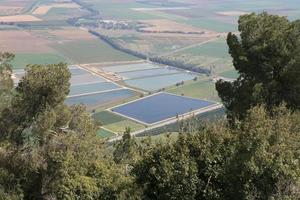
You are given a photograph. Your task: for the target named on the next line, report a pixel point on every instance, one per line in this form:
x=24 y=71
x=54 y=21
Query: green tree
x=6 y=82
x=49 y=150
x=167 y=172
x=266 y=160
x=126 y=150
x=257 y=159
x=266 y=55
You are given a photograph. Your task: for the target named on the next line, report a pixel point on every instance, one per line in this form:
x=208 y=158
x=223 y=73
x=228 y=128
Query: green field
x=230 y=74
x=209 y=55
x=21 y=60
x=202 y=89
x=103 y=133
x=153 y=45
x=116 y=123
x=211 y=24
x=91 y=51
x=217 y=48
x=117 y=10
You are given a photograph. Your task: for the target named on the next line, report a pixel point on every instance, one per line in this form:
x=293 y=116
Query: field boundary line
x=127 y=117
x=172 y=121
x=188 y=47
x=214 y=103
x=90 y=93
x=116 y=63
x=109 y=130
x=135 y=100
x=88 y=83
x=96 y=74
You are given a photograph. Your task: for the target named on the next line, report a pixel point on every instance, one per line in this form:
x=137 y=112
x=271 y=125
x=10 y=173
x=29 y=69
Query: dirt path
x=188 y=47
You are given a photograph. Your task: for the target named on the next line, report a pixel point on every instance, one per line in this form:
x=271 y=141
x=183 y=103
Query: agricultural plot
x=44 y=9
x=149 y=73
x=94 y=91
x=77 y=71
x=212 y=55
x=104 y=133
x=159 y=82
x=19 y=18
x=233 y=74
x=62 y=14
x=89 y=89
x=149 y=76
x=156 y=44
x=92 y=88
x=70 y=45
x=130 y=68
x=90 y=51
x=160 y=107
x=21 y=60
x=15 y=7
x=22 y=42
x=84 y=79
x=116 y=123
x=201 y=89
x=121 y=10
x=101 y=99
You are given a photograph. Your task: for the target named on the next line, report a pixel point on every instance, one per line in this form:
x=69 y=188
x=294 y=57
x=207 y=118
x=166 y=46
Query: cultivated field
x=165 y=25
x=191 y=32
x=18 y=41
x=19 y=18
x=42 y=10
x=90 y=51
x=149 y=76
x=212 y=55
x=15 y=7
x=116 y=123
x=201 y=89
x=164 y=106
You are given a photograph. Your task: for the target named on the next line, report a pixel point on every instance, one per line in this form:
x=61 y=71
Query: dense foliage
x=49 y=150
x=266 y=54
x=259 y=159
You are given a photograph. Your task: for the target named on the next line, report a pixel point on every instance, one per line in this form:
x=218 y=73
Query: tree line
x=159 y=60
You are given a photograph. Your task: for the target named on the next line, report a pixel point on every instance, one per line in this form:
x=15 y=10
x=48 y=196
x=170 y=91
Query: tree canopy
x=266 y=55
x=49 y=150
x=258 y=159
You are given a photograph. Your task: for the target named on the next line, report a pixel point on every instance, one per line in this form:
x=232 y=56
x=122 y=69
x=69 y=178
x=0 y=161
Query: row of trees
x=50 y=151
x=159 y=60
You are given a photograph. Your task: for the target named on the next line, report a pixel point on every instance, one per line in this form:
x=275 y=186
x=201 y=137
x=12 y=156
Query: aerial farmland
x=141 y=64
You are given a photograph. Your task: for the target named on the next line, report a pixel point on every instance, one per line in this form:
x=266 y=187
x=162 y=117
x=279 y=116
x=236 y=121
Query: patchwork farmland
x=115 y=75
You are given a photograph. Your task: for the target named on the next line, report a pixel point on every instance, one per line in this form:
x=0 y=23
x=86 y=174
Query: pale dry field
x=10 y=10
x=163 y=25
x=22 y=42
x=14 y=7
x=42 y=10
x=19 y=18
x=232 y=13
x=71 y=34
